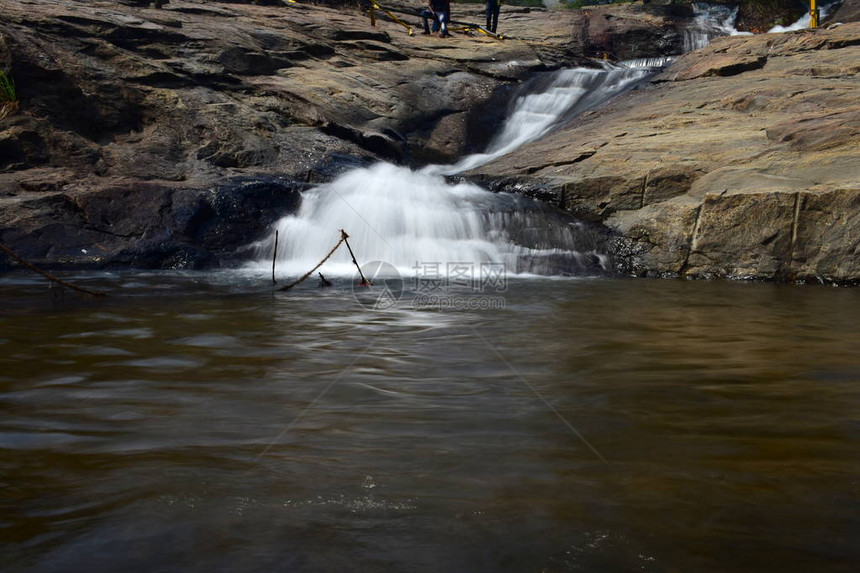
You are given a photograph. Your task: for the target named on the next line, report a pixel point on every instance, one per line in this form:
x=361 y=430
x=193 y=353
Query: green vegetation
x=8 y=96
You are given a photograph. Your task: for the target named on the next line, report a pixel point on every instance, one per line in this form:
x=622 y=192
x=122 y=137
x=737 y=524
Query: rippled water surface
x=204 y=423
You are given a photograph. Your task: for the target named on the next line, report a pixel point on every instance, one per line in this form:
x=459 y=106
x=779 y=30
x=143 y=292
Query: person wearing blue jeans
x=493 y=7
x=440 y=11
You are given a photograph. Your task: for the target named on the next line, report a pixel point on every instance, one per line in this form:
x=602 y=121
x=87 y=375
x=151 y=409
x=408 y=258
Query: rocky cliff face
x=739 y=160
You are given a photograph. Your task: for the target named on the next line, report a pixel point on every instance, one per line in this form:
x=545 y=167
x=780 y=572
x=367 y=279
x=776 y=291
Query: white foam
x=412 y=218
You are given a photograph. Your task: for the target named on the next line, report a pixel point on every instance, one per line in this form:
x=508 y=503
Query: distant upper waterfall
x=563 y=94
x=714 y=20
x=407 y=218
x=710 y=21
x=804 y=21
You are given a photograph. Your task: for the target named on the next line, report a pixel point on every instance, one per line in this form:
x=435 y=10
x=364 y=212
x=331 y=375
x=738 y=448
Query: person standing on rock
x=493 y=7
x=440 y=11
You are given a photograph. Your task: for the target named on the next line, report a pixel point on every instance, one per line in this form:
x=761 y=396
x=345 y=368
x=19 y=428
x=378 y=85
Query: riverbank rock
x=740 y=160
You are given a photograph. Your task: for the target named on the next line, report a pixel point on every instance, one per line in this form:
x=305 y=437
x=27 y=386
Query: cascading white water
x=392 y=214
x=570 y=92
x=804 y=21
x=648 y=63
x=408 y=218
x=714 y=20
x=710 y=21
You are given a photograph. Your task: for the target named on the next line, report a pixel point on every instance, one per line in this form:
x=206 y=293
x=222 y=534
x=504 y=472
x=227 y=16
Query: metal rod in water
x=364 y=281
x=275 y=257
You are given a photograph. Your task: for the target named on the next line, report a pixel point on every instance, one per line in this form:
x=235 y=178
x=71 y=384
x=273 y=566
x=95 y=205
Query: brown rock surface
x=739 y=160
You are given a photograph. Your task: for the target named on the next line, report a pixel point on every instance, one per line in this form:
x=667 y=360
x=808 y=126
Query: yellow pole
x=813 y=14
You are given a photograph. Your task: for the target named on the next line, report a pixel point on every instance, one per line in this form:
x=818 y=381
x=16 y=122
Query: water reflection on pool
x=202 y=422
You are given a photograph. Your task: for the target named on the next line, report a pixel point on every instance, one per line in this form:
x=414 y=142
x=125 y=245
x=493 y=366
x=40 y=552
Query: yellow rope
x=374 y=4
x=455 y=26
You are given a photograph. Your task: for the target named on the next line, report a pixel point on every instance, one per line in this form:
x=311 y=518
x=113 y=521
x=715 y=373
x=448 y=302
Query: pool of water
x=203 y=422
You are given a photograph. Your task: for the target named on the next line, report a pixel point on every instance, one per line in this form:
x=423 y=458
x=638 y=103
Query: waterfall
x=710 y=21
x=804 y=21
x=566 y=94
x=714 y=20
x=407 y=218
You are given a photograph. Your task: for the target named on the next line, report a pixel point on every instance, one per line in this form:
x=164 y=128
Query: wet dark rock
x=165 y=256
x=169 y=228
x=238 y=211
x=530 y=187
x=389 y=145
x=5 y=55
x=634 y=31
x=21 y=147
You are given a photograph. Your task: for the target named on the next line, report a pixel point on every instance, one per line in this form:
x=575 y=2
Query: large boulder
x=739 y=160
x=633 y=31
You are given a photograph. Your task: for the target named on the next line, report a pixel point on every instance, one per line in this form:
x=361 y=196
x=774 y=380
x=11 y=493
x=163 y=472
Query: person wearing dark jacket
x=493 y=7
x=440 y=11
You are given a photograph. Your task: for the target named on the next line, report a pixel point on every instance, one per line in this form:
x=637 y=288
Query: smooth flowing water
x=710 y=21
x=201 y=422
x=714 y=20
x=804 y=21
x=406 y=217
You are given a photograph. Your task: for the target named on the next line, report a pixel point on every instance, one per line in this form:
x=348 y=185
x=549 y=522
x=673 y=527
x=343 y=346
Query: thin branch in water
x=310 y=272
x=48 y=276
